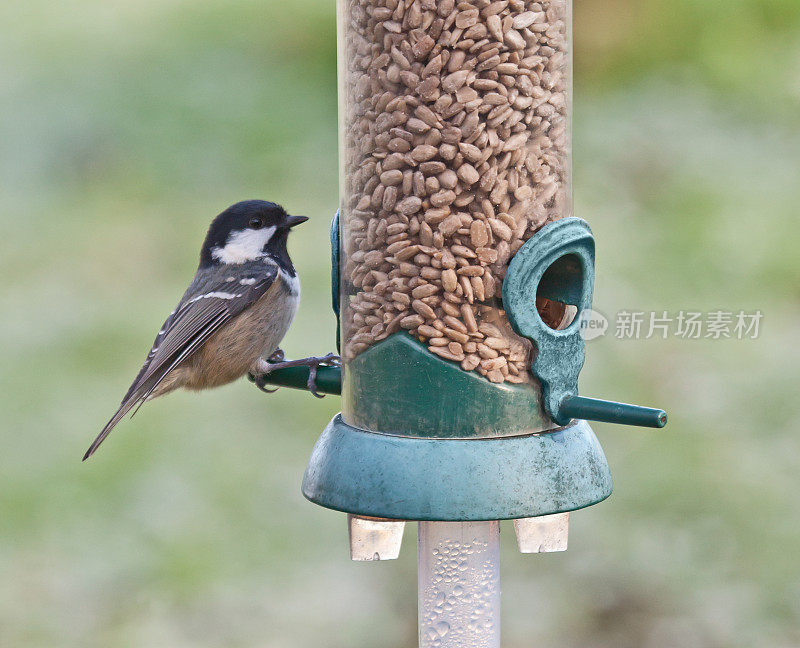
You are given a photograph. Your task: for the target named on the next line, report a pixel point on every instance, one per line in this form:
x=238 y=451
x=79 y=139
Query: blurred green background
x=125 y=126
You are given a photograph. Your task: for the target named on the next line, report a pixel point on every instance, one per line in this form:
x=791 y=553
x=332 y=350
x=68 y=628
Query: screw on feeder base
x=546 y=534
x=374 y=538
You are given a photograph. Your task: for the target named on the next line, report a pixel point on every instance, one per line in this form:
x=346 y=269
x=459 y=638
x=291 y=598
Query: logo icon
x=592 y=324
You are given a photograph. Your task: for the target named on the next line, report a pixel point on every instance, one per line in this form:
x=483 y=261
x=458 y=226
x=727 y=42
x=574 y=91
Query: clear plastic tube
x=455 y=149
x=459 y=584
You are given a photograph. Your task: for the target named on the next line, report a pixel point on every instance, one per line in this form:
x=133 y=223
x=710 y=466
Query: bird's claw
x=312 y=381
x=261 y=382
x=330 y=360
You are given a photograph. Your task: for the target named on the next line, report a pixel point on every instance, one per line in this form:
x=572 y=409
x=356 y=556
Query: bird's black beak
x=291 y=221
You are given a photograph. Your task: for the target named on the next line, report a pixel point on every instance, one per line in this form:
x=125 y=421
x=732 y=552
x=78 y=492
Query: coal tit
x=234 y=314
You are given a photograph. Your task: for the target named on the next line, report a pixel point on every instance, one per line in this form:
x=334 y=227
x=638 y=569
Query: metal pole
x=459 y=584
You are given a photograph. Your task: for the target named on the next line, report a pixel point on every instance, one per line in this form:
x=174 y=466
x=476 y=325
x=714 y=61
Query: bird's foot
x=262 y=368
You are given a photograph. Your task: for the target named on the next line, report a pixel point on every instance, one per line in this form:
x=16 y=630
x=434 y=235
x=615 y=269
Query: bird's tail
x=127 y=405
x=138 y=395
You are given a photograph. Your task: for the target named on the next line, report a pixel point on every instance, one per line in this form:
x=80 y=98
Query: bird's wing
x=204 y=309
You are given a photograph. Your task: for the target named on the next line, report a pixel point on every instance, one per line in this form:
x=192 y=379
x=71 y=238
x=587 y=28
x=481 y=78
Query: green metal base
x=399 y=387
x=407 y=478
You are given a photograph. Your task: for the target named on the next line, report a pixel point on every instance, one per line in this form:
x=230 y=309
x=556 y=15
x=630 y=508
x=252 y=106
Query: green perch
x=594 y=409
x=329 y=379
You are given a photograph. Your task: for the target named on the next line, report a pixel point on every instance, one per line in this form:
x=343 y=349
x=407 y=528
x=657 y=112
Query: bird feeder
x=460 y=277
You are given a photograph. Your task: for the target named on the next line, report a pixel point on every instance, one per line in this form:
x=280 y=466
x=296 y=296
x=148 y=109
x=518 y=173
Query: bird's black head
x=247 y=231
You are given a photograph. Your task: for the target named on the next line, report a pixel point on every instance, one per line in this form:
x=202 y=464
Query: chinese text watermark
x=687 y=325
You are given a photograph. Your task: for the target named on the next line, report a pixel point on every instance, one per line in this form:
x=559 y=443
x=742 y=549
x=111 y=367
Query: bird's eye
x=255 y=223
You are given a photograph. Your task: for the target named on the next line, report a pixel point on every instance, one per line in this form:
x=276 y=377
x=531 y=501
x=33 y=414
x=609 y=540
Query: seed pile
x=455 y=153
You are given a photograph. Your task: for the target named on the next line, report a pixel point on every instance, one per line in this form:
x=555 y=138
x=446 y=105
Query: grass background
x=125 y=126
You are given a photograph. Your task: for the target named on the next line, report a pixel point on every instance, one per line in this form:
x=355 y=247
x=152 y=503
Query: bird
x=232 y=318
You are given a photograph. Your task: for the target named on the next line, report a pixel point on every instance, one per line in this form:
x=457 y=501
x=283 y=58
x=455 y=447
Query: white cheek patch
x=244 y=245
